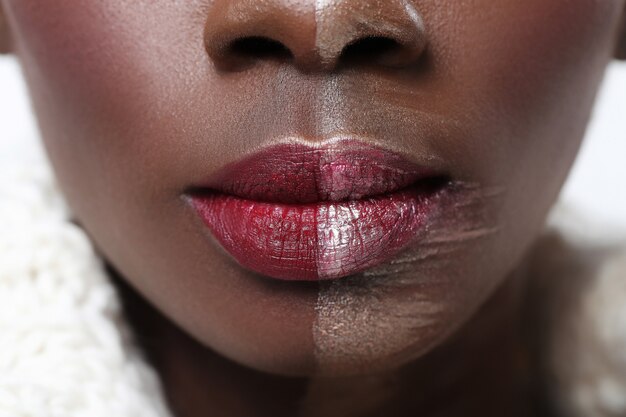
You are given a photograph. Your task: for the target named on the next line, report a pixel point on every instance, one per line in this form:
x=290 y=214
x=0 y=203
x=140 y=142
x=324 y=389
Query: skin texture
x=5 y=40
x=138 y=100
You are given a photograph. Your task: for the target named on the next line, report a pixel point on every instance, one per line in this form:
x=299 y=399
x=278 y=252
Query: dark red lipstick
x=298 y=212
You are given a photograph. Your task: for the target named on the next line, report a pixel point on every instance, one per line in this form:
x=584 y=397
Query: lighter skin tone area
x=138 y=101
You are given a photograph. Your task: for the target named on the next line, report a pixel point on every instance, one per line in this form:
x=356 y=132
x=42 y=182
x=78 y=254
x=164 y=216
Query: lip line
x=429 y=185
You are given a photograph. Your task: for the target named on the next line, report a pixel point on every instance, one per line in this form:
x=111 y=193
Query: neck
x=484 y=370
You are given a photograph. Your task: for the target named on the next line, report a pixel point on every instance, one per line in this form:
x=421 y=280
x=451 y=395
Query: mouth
x=302 y=213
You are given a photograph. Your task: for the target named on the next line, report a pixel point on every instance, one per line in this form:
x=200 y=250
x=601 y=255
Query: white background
x=597 y=183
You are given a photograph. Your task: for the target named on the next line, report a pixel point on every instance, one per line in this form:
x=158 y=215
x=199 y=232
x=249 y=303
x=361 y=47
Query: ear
x=620 y=51
x=5 y=38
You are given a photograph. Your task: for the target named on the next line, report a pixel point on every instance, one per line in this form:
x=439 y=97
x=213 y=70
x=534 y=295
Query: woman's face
x=147 y=109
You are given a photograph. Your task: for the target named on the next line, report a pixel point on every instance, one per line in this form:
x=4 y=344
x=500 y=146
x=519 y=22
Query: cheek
x=526 y=74
x=105 y=78
x=523 y=76
x=108 y=81
x=551 y=65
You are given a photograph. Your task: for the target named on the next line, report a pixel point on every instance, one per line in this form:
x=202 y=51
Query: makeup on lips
x=316 y=212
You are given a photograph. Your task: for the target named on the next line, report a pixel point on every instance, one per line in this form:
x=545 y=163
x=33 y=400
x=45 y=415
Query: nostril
x=258 y=47
x=370 y=45
x=380 y=50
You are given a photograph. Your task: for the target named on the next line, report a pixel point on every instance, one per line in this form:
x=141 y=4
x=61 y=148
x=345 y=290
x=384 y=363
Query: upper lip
x=298 y=173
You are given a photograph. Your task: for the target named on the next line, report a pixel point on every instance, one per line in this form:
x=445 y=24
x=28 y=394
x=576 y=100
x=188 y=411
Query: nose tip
x=314 y=35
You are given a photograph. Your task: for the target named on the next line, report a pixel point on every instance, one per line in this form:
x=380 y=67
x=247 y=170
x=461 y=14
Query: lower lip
x=316 y=241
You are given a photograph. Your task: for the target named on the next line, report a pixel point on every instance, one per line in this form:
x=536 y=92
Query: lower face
x=139 y=124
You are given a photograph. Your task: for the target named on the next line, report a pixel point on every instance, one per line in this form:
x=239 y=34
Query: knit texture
x=65 y=349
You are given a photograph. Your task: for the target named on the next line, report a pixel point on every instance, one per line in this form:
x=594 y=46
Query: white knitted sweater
x=66 y=351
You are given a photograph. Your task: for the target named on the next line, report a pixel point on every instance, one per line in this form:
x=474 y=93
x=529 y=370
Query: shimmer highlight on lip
x=298 y=212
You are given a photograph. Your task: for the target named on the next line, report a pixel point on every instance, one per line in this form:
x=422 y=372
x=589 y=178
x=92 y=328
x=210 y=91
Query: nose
x=314 y=35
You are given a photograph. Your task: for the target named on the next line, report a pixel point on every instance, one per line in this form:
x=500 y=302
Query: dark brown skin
x=137 y=100
x=499 y=381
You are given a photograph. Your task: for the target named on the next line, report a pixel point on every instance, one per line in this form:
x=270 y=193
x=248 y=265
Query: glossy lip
x=305 y=213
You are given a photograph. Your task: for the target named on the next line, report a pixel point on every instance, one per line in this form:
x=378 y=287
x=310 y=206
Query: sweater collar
x=65 y=347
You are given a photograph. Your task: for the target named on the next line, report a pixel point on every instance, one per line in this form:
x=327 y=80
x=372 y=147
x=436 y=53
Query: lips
x=304 y=213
